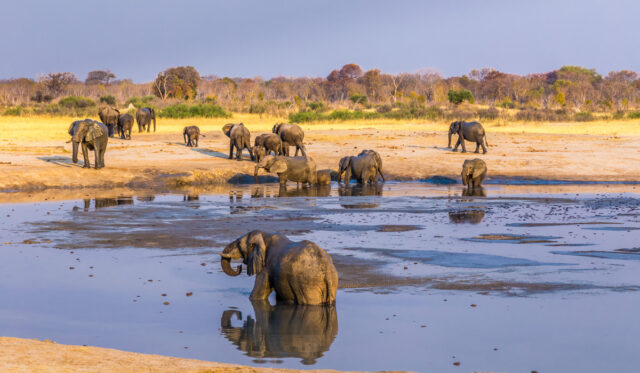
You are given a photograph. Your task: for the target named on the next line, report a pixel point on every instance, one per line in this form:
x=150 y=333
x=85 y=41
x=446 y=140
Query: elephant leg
x=262 y=287
x=85 y=156
x=297 y=148
x=455 y=148
x=302 y=150
x=96 y=156
x=231 y=150
x=484 y=148
x=464 y=148
x=238 y=153
x=477 y=148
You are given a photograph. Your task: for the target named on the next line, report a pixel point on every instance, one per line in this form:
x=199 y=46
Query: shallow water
x=526 y=278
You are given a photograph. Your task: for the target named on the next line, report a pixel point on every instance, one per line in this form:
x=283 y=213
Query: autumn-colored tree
x=99 y=77
x=57 y=83
x=177 y=82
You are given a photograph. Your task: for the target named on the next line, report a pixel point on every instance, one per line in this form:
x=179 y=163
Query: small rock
x=166 y=303
x=189 y=294
x=457 y=363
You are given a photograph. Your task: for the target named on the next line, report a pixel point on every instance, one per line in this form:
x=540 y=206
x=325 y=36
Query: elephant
x=324 y=176
x=109 y=116
x=466 y=216
x=144 y=115
x=291 y=135
x=125 y=124
x=298 y=169
x=473 y=172
x=259 y=152
x=239 y=138
x=470 y=131
x=107 y=202
x=191 y=134
x=283 y=330
x=474 y=192
x=364 y=167
x=92 y=135
x=299 y=272
x=271 y=142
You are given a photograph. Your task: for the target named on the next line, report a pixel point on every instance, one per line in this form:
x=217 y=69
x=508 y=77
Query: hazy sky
x=137 y=39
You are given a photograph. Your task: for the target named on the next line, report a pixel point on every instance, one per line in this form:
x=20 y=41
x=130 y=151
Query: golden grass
x=41 y=128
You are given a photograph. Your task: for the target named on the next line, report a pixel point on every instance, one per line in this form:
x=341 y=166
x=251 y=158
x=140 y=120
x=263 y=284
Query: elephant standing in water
x=291 y=135
x=239 y=138
x=298 y=169
x=299 y=272
x=284 y=330
x=365 y=167
x=473 y=172
x=91 y=135
x=125 y=124
x=144 y=116
x=470 y=131
x=109 y=116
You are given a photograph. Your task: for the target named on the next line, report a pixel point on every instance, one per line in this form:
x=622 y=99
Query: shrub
x=583 y=116
x=457 y=97
x=358 y=99
x=139 y=102
x=382 y=109
x=76 y=102
x=507 y=104
x=16 y=111
x=316 y=106
x=305 y=116
x=634 y=115
x=618 y=115
x=190 y=111
x=108 y=99
x=259 y=108
x=489 y=114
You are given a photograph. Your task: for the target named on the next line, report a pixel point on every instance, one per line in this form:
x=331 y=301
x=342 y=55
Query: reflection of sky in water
x=119 y=244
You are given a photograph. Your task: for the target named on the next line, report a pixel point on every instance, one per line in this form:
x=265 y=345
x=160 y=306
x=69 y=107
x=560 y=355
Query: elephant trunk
x=75 y=151
x=225 y=261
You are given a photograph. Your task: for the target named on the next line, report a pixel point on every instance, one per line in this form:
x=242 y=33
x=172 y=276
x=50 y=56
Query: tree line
x=568 y=89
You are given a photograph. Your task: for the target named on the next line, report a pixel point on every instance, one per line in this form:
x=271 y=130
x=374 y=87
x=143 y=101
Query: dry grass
x=41 y=128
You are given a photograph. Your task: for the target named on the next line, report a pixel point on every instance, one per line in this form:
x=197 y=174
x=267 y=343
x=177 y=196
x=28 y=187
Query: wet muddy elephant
x=324 y=176
x=109 y=117
x=473 y=173
x=299 y=169
x=470 y=131
x=91 y=135
x=191 y=135
x=299 y=272
x=271 y=142
x=239 y=138
x=365 y=167
x=284 y=330
x=291 y=135
x=144 y=116
x=125 y=124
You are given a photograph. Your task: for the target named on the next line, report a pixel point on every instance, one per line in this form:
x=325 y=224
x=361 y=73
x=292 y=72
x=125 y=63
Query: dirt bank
x=28 y=355
x=410 y=151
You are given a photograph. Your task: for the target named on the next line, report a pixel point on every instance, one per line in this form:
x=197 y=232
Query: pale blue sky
x=137 y=39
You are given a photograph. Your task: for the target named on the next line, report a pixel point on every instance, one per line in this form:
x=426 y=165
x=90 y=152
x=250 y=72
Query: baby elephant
x=270 y=142
x=259 y=152
x=191 y=134
x=299 y=272
x=324 y=176
x=473 y=172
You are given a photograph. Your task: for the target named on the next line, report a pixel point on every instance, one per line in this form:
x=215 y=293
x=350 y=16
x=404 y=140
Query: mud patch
x=398 y=228
x=559 y=224
x=619 y=254
x=512 y=238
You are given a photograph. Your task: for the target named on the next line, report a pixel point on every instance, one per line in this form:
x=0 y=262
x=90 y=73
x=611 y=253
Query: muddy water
x=523 y=278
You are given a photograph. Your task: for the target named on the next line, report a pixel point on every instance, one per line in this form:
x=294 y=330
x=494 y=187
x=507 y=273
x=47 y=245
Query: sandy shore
x=28 y=355
x=34 y=155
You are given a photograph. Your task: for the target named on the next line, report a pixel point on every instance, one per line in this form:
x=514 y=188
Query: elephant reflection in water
x=474 y=192
x=283 y=330
x=359 y=190
x=470 y=216
x=190 y=197
x=311 y=191
x=107 y=202
x=146 y=198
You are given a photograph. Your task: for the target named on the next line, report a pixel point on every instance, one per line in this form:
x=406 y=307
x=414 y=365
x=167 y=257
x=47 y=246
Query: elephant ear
x=278 y=166
x=93 y=132
x=478 y=170
x=226 y=129
x=71 y=128
x=257 y=254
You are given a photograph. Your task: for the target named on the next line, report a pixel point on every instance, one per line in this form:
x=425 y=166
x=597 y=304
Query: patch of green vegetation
x=182 y=110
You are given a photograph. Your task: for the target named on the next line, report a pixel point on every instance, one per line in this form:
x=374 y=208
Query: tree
x=99 y=77
x=372 y=82
x=57 y=83
x=177 y=82
x=350 y=71
x=457 y=97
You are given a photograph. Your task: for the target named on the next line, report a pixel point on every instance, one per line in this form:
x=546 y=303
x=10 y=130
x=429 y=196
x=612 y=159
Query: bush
x=16 y=111
x=489 y=114
x=76 y=102
x=457 y=97
x=358 y=99
x=139 y=102
x=305 y=116
x=259 y=108
x=192 y=111
x=382 y=109
x=507 y=104
x=583 y=116
x=108 y=99
x=634 y=115
x=316 y=106
x=542 y=115
x=618 y=115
